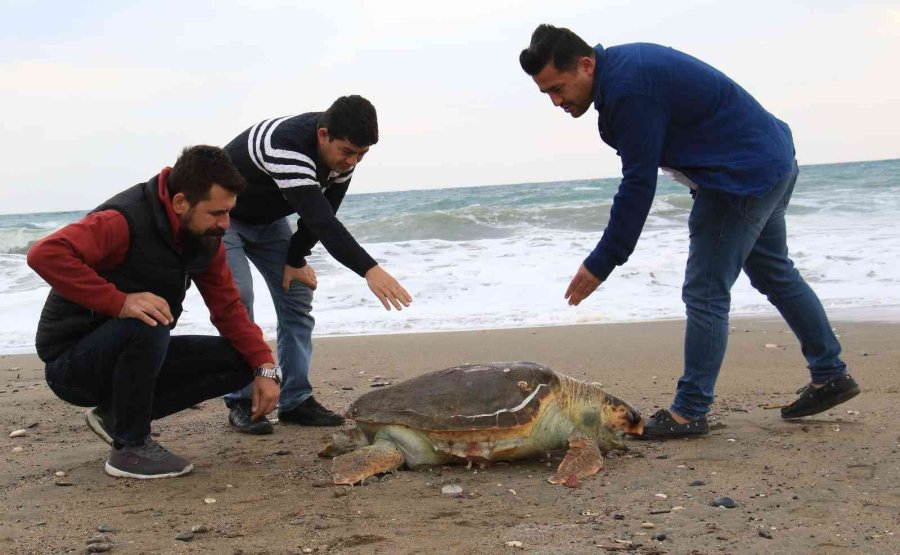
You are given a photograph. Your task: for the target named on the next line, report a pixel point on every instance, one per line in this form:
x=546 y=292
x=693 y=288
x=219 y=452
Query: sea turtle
x=482 y=412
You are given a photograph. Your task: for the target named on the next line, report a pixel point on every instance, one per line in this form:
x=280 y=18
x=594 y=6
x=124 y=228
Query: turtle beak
x=635 y=422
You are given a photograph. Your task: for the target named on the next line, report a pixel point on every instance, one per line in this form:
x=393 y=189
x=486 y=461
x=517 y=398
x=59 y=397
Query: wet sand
x=826 y=484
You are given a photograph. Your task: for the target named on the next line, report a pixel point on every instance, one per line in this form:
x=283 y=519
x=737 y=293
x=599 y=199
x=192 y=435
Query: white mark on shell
x=520 y=406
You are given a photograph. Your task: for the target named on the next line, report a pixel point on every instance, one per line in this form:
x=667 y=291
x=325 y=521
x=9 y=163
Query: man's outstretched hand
x=582 y=285
x=387 y=289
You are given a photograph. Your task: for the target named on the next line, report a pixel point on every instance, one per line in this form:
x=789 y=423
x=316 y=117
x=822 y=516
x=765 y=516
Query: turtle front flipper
x=582 y=460
x=356 y=466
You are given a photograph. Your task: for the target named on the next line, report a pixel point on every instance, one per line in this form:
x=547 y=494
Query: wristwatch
x=272 y=373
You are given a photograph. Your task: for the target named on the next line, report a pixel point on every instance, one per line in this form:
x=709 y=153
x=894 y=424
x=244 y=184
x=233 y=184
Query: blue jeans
x=729 y=233
x=138 y=373
x=266 y=245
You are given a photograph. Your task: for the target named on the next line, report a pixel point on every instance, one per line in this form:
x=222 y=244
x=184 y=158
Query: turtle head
x=608 y=421
x=619 y=415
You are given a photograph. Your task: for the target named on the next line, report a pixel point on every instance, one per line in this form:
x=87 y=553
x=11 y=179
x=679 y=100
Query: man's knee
x=705 y=299
x=773 y=281
x=758 y=282
x=153 y=339
x=138 y=328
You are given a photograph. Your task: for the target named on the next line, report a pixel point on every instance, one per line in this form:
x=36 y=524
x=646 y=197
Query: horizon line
x=450 y=187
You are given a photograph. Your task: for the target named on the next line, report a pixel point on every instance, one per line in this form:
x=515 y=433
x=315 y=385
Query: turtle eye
x=633 y=416
x=635 y=422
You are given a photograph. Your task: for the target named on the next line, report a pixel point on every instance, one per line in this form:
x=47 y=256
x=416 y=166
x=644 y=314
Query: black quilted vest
x=152 y=264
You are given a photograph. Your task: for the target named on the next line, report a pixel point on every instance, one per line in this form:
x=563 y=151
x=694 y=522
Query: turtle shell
x=467 y=397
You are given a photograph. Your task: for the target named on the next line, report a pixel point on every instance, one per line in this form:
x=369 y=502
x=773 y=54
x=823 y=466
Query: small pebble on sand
x=451 y=490
x=209 y=500
x=723 y=501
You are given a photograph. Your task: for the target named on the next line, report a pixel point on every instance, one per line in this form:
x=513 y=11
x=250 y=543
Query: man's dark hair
x=198 y=168
x=556 y=45
x=351 y=118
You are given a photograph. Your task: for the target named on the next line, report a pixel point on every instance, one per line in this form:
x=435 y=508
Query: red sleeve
x=228 y=313
x=69 y=259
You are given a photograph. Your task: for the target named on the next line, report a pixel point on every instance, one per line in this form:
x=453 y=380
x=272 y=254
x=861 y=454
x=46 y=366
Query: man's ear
x=322 y=135
x=180 y=204
x=587 y=64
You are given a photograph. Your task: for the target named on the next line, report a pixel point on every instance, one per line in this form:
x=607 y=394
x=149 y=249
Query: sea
x=487 y=257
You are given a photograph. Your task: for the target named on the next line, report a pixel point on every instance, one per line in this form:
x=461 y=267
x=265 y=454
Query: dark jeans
x=729 y=233
x=138 y=373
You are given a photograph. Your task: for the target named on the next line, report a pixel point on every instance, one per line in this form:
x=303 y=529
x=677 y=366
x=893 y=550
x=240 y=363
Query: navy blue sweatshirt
x=279 y=158
x=659 y=107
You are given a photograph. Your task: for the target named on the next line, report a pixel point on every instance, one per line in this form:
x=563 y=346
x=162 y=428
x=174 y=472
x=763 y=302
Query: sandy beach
x=826 y=484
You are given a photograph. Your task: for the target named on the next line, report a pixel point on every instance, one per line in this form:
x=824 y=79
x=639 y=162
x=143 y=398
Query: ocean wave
x=19 y=241
x=16 y=276
x=490 y=257
x=483 y=222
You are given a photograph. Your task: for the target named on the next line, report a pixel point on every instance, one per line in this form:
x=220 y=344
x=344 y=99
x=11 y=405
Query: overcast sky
x=97 y=96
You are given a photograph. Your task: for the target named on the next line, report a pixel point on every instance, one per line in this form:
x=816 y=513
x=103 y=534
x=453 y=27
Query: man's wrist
x=271 y=371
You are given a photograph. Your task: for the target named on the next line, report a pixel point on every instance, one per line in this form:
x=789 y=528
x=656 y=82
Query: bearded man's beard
x=194 y=242
x=187 y=233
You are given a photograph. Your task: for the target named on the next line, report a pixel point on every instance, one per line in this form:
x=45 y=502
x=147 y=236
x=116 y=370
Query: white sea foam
x=500 y=257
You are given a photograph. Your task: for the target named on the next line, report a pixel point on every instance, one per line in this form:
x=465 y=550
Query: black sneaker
x=239 y=417
x=813 y=400
x=145 y=462
x=101 y=423
x=310 y=413
x=662 y=426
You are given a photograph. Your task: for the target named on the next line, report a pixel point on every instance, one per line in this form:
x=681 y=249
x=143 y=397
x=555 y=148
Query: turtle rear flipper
x=582 y=460
x=356 y=466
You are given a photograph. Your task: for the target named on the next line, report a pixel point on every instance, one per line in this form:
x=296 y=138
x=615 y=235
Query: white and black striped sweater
x=278 y=158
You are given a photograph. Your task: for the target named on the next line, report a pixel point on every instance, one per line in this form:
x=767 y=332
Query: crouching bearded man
x=118 y=278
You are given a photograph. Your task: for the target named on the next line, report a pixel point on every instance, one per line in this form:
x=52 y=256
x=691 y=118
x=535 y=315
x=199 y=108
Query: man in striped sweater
x=299 y=165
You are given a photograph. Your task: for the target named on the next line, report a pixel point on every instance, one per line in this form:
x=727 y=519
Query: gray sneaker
x=147 y=461
x=100 y=422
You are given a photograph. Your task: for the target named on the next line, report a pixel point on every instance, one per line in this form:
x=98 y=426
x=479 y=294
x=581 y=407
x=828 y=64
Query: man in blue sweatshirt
x=660 y=108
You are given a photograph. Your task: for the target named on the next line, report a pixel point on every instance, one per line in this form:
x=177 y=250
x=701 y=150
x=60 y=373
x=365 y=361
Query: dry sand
x=828 y=484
